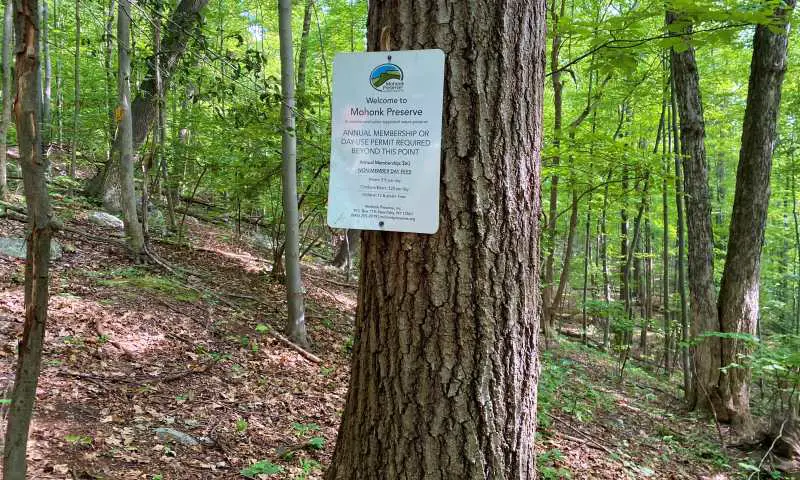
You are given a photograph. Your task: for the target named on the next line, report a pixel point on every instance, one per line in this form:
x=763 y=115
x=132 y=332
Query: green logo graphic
x=386 y=78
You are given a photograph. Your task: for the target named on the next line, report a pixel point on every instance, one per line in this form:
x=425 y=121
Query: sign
x=386 y=141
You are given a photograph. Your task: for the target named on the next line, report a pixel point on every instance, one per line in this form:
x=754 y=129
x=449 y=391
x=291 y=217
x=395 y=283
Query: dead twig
x=771 y=447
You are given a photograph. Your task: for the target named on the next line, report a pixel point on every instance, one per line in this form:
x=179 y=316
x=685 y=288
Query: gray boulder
x=107 y=220
x=17 y=248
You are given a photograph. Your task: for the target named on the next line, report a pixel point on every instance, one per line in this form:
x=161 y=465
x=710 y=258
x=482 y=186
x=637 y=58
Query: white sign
x=386 y=141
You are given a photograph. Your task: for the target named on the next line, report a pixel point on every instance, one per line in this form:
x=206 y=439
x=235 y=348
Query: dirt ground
x=131 y=349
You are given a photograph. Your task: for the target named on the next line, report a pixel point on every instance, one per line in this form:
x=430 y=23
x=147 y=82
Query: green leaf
x=264 y=467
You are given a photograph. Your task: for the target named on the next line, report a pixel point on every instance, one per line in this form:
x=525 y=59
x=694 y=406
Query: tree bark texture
x=445 y=364
x=5 y=120
x=702 y=293
x=133 y=229
x=296 y=321
x=739 y=288
x=27 y=110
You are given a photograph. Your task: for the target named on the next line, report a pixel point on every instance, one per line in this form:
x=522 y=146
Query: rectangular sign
x=386 y=141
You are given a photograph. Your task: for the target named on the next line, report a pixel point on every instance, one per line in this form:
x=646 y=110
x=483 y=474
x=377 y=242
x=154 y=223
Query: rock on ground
x=107 y=220
x=17 y=248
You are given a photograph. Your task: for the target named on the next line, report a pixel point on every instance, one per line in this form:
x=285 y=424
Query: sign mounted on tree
x=386 y=141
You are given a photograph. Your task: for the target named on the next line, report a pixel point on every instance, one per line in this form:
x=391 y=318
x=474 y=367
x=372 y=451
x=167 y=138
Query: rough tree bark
x=5 y=120
x=27 y=110
x=296 y=321
x=702 y=293
x=445 y=361
x=133 y=229
x=739 y=288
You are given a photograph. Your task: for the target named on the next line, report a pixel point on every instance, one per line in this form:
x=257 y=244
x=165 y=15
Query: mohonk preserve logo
x=387 y=78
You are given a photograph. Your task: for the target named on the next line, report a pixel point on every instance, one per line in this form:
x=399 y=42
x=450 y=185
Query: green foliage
x=241 y=425
x=303 y=429
x=547 y=465
x=140 y=280
x=263 y=467
x=316 y=443
x=79 y=440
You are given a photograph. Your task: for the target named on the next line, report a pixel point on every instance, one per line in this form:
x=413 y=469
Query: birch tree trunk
x=739 y=288
x=5 y=120
x=296 y=321
x=40 y=229
x=445 y=366
x=702 y=293
x=133 y=229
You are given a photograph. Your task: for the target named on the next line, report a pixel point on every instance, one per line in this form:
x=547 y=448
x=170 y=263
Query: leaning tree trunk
x=40 y=229
x=133 y=228
x=296 y=322
x=702 y=295
x=445 y=363
x=739 y=289
x=5 y=120
x=177 y=36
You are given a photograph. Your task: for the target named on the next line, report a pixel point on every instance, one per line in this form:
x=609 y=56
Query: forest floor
x=131 y=349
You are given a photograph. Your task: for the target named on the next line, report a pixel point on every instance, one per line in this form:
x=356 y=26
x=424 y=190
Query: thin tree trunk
x=705 y=353
x=586 y=261
x=40 y=230
x=296 y=322
x=133 y=228
x=681 y=285
x=796 y=312
x=445 y=363
x=77 y=74
x=606 y=275
x=5 y=120
x=665 y=151
x=176 y=38
x=302 y=57
x=59 y=75
x=548 y=294
x=48 y=73
x=739 y=288
x=108 y=62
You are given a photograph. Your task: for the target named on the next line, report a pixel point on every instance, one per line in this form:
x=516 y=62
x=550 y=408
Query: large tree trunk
x=133 y=228
x=40 y=227
x=181 y=23
x=5 y=120
x=445 y=364
x=296 y=321
x=739 y=288
x=702 y=294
